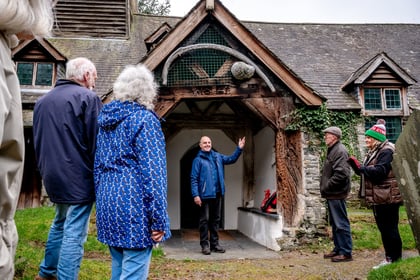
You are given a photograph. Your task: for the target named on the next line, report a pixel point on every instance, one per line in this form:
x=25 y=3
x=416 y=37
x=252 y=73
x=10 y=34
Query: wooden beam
x=174 y=38
x=306 y=94
x=289 y=175
x=164 y=106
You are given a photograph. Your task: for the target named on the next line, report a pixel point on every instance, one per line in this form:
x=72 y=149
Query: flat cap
x=333 y=130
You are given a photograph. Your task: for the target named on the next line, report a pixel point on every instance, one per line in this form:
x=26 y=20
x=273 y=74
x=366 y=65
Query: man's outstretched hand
x=241 y=142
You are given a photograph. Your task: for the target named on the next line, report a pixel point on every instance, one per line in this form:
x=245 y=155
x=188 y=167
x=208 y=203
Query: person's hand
x=197 y=200
x=157 y=235
x=241 y=142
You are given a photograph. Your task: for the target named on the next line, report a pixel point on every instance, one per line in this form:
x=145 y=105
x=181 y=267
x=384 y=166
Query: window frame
x=35 y=73
x=385 y=109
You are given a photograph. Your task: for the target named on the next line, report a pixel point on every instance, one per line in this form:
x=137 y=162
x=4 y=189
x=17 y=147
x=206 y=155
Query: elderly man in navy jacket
x=65 y=128
x=208 y=188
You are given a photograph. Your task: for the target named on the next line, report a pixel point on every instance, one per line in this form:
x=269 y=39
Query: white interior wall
x=264 y=164
x=262 y=229
x=175 y=150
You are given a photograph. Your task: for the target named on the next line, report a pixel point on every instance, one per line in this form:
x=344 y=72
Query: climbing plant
x=314 y=121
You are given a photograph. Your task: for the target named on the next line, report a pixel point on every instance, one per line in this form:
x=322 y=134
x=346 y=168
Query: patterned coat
x=130 y=176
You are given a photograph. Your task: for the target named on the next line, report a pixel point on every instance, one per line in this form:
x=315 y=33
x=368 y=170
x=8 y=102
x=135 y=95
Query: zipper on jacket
x=203 y=189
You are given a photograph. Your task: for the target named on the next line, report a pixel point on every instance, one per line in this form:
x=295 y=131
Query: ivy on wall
x=314 y=121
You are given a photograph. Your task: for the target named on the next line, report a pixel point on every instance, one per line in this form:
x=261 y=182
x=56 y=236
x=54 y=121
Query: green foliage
x=366 y=234
x=314 y=121
x=154 y=7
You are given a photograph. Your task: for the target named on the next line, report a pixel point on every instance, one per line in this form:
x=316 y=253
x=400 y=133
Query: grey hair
x=136 y=83
x=77 y=67
x=32 y=16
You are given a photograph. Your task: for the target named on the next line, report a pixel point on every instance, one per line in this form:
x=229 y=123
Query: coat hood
x=115 y=112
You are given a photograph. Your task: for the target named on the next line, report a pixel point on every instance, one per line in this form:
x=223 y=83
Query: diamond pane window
x=25 y=73
x=392 y=99
x=373 y=99
x=44 y=74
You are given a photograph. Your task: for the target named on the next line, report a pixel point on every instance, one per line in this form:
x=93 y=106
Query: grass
x=408 y=269
x=33 y=226
x=366 y=235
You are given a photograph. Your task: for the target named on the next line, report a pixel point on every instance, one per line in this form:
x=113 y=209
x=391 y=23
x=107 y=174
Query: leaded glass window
x=35 y=73
x=373 y=100
x=393 y=127
x=25 y=73
x=392 y=99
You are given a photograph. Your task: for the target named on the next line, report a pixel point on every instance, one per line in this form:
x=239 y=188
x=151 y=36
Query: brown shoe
x=342 y=258
x=43 y=278
x=330 y=255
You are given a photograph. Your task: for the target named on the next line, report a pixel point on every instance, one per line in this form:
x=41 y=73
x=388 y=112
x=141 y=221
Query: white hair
x=30 y=16
x=136 y=83
x=76 y=68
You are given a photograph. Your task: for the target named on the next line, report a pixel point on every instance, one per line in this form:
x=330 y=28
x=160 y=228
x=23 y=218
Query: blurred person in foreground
x=130 y=175
x=335 y=186
x=379 y=188
x=65 y=128
x=23 y=18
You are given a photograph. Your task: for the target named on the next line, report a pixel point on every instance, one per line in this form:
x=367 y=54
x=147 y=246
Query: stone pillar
x=406 y=167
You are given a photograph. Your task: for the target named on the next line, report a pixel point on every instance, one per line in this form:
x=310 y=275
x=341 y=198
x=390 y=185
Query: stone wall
x=315 y=218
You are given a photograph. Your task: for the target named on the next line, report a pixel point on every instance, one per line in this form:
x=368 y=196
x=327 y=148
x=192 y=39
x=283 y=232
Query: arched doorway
x=189 y=210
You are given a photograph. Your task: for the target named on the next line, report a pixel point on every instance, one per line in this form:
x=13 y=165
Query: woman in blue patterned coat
x=130 y=175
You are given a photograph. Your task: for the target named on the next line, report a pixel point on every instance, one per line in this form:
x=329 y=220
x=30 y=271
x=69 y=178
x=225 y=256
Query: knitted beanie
x=378 y=131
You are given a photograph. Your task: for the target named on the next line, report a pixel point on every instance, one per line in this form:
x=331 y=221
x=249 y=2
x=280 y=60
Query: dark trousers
x=337 y=210
x=210 y=212
x=386 y=217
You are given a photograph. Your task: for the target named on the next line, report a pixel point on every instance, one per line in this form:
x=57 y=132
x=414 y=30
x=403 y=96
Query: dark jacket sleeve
x=195 y=177
x=341 y=171
x=93 y=107
x=335 y=178
x=233 y=157
x=379 y=171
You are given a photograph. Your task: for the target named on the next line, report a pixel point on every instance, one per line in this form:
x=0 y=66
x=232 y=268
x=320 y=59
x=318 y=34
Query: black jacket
x=65 y=128
x=335 y=177
x=378 y=184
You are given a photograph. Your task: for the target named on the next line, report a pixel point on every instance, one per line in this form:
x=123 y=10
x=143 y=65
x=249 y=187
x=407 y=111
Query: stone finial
x=209 y=5
x=242 y=71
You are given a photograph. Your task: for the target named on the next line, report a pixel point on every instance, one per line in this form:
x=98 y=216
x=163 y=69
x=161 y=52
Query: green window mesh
x=202 y=66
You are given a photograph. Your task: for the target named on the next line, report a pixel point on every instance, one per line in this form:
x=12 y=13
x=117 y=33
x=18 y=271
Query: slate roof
x=323 y=55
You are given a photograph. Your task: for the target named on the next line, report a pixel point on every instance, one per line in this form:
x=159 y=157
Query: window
x=392 y=99
x=35 y=73
x=393 y=126
x=382 y=99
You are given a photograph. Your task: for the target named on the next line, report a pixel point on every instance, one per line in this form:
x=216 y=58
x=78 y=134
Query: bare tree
x=154 y=7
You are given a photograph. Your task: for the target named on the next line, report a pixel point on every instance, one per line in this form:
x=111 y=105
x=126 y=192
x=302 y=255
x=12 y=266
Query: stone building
x=369 y=69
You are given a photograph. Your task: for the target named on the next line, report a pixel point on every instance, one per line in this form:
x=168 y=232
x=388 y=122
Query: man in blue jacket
x=65 y=128
x=208 y=188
